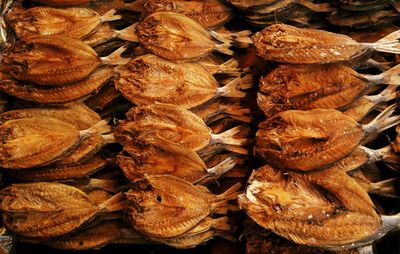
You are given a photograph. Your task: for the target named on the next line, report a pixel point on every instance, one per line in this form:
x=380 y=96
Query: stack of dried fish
x=296 y=12
x=313 y=190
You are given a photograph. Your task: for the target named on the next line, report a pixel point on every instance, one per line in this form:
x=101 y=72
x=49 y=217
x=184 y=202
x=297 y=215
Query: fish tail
x=383 y=121
x=231 y=193
x=110 y=16
x=115 y=58
x=387 y=188
x=232 y=88
x=391 y=37
x=230 y=67
x=392 y=76
x=325 y=7
x=115 y=203
x=222 y=223
x=228 y=138
x=107 y=185
x=99 y=128
x=239 y=39
x=128 y=33
x=222 y=167
x=109 y=138
x=136 y=6
x=384 y=46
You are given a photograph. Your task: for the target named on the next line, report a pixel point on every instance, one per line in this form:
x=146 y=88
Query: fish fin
x=325 y=7
x=383 y=121
x=225 y=44
x=227 y=137
x=392 y=76
x=230 y=67
x=107 y=185
x=110 y=16
x=222 y=167
x=128 y=33
x=222 y=223
x=99 y=128
x=237 y=149
x=384 y=46
x=115 y=203
x=115 y=58
x=230 y=194
x=386 y=188
x=136 y=6
x=232 y=88
x=391 y=37
x=109 y=139
x=239 y=39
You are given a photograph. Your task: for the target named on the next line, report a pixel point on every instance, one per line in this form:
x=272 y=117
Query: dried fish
x=91 y=238
x=364 y=5
x=308 y=140
x=256 y=5
x=288 y=44
x=311 y=209
x=154 y=198
x=39 y=141
x=106 y=33
x=61 y=3
x=363 y=20
x=177 y=125
x=149 y=79
x=75 y=113
x=71 y=22
x=317 y=86
x=55 y=60
x=217 y=110
x=176 y=37
x=60 y=94
x=63 y=172
x=50 y=209
x=106 y=96
x=208 y=14
x=202 y=232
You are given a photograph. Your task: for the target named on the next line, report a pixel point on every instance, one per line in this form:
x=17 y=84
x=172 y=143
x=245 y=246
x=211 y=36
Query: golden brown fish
x=308 y=140
x=61 y=3
x=71 y=22
x=177 y=125
x=326 y=208
x=288 y=44
x=91 y=238
x=107 y=95
x=318 y=86
x=63 y=172
x=149 y=79
x=50 y=209
x=39 y=141
x=176 y=37
x=59 y=94
x=208 y=14
x=55 y=60
x=155 y=198
x=75 y=113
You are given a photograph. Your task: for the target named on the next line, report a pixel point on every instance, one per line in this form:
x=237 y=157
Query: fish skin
x=290 y=205
x=41 y=21
x=288 y=44
x=150 y=79
x=50 y=60
x=61 y=3
x=208 y=14
x=45 y=209
x=307 y=140
x=36 y=141
x=174 y=36
x=307 y=87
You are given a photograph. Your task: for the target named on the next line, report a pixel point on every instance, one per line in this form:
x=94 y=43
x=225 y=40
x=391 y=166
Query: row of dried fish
x=307 y=13
x=313 y=190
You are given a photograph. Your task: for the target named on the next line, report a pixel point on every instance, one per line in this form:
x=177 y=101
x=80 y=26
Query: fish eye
x=159 y=199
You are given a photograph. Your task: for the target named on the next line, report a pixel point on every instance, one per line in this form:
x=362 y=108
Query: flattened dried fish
x=176 y=37
x=288 y=44
x=72 y=22
x=177 y=125
x=325 y=208
x=50 y=209
x=75 y=113
x=317 y=86
x=155 y=198
x=61 y=3
x=91 y=238
x=308 y=140
x=149 y=79
x=55 y=60
x=60 y=94
x=39 y=141
x=63 y=172
x=208 y=14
